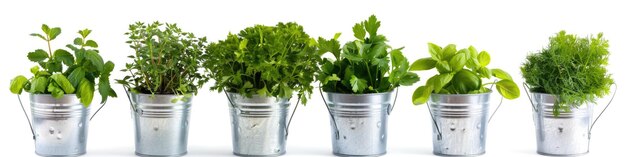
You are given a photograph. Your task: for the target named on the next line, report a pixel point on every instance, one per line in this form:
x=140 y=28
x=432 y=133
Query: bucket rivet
x=156 y=129
x=379 y=124
x=80 y=125
x=253 y=126
x=344 y=137
x=51 y=130
x=560 y=130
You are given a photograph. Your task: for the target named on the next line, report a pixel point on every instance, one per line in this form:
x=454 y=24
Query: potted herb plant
x=61 y=91
x=565 y=79
x=358 y=85
x=259 y=69
x=162 y=80
x=458 y=99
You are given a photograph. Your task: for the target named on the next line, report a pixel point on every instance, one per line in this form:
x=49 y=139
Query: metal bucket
x=60 y=125
x=161 y=127
x=459 y=123
x=567 y=134
x=259 y=125
x=359 y=123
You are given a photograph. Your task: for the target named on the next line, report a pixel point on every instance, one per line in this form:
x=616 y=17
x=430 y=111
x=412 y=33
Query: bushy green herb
x=460 y=72
x=81 y=69
x=362 y=65
x=265 y=60
x=572 y=68
x=166 y=60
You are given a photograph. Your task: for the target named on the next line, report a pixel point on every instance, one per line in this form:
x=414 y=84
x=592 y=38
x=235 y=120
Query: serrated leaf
x=95 y=59
x=54 y=32
x=85 y=90
x=37 y=56
x=359 y=31
x=54 y=66
x=78 y=41
x=17 y=84
x=372 y=25
x=501 y=74
x=64 y=56
x=423 y=64
x=508 y=89
x=76 y=76
x=84 y=33
x=333 y=77
x=45 y=29
x=63 y=82
x=376 y=51
x=484 y=58
x=421 y=94
x=358 y=85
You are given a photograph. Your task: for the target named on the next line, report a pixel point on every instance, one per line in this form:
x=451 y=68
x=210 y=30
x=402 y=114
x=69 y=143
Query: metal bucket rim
x=169 y=97
x=461 y=95
x=50 y=95
x=257 y=96
x=359 y=95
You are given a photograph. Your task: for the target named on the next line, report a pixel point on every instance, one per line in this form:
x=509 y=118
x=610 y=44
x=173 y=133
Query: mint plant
x=460 y=72
x=166 y=60
x=264 y=60
x=362 y=65
x=81 y=69
x=572 y=68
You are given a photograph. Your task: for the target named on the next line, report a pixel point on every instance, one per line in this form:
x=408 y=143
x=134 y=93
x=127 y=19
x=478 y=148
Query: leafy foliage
x=362 y=65
x=81 y=69
x=166 y=60
x=460 y=72
x=265 y=60
x=571 y=67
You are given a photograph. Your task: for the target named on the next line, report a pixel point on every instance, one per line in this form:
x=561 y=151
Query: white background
x=508 y=30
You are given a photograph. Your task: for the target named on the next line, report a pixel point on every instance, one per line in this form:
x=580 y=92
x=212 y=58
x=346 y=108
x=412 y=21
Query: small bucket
x=459 y=123
x=259 y=125
x=359 y=123
x=60 y=125
x=161 y=127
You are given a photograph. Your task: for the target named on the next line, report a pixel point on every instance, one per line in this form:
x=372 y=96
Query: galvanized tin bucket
x=358 y=122
x=161 y=126
x=259 y=124
x=459 y=123
x=60 y=125
x=567 y=134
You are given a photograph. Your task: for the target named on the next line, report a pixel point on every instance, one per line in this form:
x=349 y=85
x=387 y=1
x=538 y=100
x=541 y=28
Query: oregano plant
x=460 y=72
x=572 y=68
x=166 y=60
x=265 y=60
x=362 y=66
x=60 y=72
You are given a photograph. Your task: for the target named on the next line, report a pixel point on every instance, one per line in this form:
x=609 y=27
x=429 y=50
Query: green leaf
x=85 y=90
x=91 y=43
x=435 y=51
x=263 y=91
x=34 y=70
x=484 y=58
x=105 y=90
x=484 y=72
x=45 y=29
x=84 y=33
x=64 y=56
x=421 y=94
x=54 y=66
x=17 y=84
x=448 y=52
x=372 y=25
x=397 y=58
x=95 y=59
x=54 y=32
x=508 y=89
x=334 y=77
x=440 y=81
x=39 y=85
x=465 y=81
x=458 y=61
x=243 y=44
x=376 y=51
x=409 y=79
x=37 y=56
x=63 y=82
x=443 y=67
x=108 y=67
x=501 y=74
x=358 y=85
x=54 y=89
x=423 y=64
x=359 y=31
x=76 y=76
x=38 y=35
x=78 y=41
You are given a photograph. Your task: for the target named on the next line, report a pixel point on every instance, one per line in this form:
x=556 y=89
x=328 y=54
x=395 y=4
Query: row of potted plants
x=261 y=68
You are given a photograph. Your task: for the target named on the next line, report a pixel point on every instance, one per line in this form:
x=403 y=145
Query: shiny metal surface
x=60 y=125
x=361 y=123
x=459 y=123
x=567 y=134
x=161 y=127
x=258 y=125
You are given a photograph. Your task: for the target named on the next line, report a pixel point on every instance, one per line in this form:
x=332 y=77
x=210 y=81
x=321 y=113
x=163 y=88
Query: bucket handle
x=390 y=108
x=129 y=101
x=439 y=135
x=528 y=94
x=331 y=114
x=230 y=101
x=291 y=117
x=94 y=114
x=27 y=118
x=607 y=106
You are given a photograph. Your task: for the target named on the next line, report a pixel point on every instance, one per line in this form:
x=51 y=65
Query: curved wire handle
x=394 y=102
x=607 y=106
x=330 y=113
x=27 y=118
x=291 y=117
x=439 y=135
x=529 y=98
x=129 y=101
x=500 y=104
x=94 y=114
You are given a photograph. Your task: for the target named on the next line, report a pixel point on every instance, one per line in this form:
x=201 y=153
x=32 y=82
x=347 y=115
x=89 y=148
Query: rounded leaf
x=508 y=89
x=484 y=58
x=423 y=64
x=421 y=94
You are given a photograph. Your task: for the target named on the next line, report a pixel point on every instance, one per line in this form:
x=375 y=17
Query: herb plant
x=460 y=72
x=81 y=69
x=572 y=68
x=362 y=65
x=166 y=60
x=265 y=60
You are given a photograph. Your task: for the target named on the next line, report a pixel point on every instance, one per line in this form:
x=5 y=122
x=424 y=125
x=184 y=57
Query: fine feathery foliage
x=265 y=60
x=362 y=65
x=460 y=72
x=572 y=68
x=81 y=69
x=166 y=60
